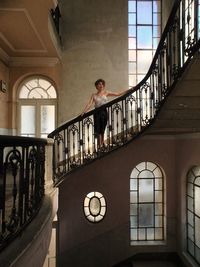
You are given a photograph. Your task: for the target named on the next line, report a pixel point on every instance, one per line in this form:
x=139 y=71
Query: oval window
x=94 y=206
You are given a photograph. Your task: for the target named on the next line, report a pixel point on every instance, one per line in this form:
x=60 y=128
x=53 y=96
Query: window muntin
x=193 y=213
x=146 y=203
x=94 y=206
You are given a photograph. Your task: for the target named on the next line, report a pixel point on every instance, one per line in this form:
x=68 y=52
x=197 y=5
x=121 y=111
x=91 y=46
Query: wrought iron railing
x=75 y=143
x=22 y=167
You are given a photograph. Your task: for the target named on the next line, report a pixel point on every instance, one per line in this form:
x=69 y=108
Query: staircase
x=166 y=83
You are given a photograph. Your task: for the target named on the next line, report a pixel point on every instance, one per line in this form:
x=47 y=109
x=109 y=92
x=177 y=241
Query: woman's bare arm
x=109 y=93
x=89 y=105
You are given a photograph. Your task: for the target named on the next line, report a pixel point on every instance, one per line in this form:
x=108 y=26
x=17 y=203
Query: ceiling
x=27 y=30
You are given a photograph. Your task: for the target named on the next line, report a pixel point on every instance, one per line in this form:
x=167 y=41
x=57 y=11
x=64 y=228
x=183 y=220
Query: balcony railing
x=75 y=143
x=22 y=162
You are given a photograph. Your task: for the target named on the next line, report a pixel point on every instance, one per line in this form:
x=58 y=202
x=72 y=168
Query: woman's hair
x=100 y=81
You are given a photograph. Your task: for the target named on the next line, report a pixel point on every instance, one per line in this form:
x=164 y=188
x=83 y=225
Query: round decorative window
x=94 y=207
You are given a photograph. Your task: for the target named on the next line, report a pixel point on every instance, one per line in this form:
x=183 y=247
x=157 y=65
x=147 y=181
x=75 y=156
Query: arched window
x=37 y=107
x=146 y=203
x=193 y=213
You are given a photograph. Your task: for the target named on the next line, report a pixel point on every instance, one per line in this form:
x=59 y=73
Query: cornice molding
x=33 y=61
x=4 y=56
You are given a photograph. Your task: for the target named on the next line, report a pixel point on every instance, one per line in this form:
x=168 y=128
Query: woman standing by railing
x=100 y=118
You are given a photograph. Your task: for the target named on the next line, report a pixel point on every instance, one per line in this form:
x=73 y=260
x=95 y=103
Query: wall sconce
x=3 y=86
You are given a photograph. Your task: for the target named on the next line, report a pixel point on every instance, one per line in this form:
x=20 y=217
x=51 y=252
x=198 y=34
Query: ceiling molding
x=44 y=50
x=33 y=61
x=4 y=56
x=54 y=36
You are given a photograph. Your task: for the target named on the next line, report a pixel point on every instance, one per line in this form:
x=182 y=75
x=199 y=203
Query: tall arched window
x=37 y=107
x=193 y=213
x=146 y=203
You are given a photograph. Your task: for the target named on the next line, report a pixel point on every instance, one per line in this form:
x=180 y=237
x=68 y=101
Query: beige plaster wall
x=166 y=8
x=94 y=46
x=4 y=75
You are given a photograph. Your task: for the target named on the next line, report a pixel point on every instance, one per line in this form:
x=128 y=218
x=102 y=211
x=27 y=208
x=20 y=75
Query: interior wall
x=4 y=76
x=106 y=243
x=166 y=9
x=95 y=43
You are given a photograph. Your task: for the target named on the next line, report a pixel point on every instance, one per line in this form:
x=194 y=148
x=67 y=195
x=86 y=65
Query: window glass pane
x=191 y=247
x=144 y=60
x=156 y=6
x=144 y=39
x=146 y=174
x=134 y=173
x=158 y=209
x=141 y=233
x=158 y=184
x=132 y=43
x=47 y=119
x=141 y=166
x=103 y=202
x=132 y=67
x=156 y=19
x=146 y=191
x=131 y=6
x=133 y=184
x=197 y=200
x=133 y=221
x=197 y=231
x=190 y=218
x=158 y=221
x=146 y=215
x=94 y=206
x=155 y=43
x=191 y=232
x=28 y=120
x=133 y=208
x=197 y=181
x=131 y=18
x=158 y=196
x=133 y=197
x=132 y=55
x=132 y=31
x=150 y=234
x=156 y=31
x=151 y=166
x=144 y=12
x=190 y=203
x=133 y=234
x=158 y=233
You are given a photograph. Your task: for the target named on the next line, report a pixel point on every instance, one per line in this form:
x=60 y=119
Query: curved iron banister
x=22 y=168
x=75 y=143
